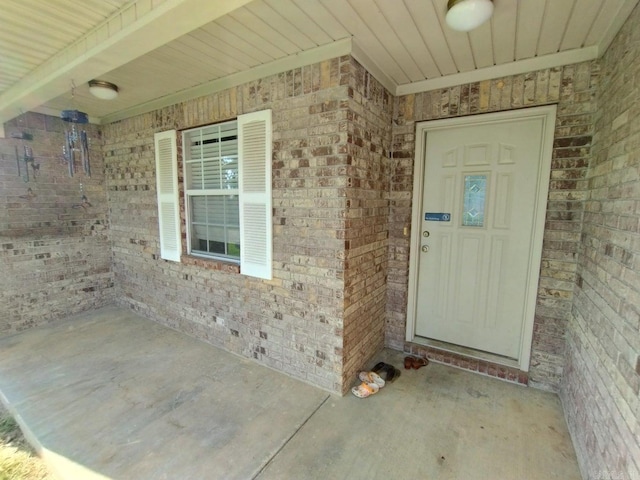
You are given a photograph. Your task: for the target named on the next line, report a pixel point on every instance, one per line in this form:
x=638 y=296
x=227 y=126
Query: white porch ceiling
x=162 y=51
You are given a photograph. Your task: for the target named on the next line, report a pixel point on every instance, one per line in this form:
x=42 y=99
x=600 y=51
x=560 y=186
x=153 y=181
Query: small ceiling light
x=103 y=90
x=465 y=15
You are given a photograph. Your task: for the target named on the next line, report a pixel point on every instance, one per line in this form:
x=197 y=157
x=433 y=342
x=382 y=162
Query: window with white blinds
x=227 y=183
x=210 y=156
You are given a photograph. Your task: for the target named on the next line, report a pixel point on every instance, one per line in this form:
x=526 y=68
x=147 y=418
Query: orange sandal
x=365 y=390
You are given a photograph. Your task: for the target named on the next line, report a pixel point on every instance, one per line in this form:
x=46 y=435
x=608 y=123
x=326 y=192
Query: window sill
x=210 y=264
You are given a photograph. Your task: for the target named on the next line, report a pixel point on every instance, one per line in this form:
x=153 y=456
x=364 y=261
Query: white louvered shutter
x=254 y=151
x=167 y=190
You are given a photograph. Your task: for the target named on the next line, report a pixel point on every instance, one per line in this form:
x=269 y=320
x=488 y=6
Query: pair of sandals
x=373 y=380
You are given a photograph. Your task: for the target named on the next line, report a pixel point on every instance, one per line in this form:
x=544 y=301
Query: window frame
x=189 y=193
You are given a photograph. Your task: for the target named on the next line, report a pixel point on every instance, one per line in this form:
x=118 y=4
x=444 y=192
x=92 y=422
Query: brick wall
x=54 y=253
x=573 y=88
x=294 y=322
x=367 y=218
x=602 y=377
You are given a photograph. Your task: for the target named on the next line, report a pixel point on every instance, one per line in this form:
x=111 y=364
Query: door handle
x=425 y=248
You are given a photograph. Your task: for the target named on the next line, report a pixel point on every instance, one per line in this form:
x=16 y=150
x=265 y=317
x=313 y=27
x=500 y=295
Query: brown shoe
x=408 y=362
x=419 y=362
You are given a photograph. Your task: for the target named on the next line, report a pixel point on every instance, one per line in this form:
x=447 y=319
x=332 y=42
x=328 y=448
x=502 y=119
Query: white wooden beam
x=136 y=29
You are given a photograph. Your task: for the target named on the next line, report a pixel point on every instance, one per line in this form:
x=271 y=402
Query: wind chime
x=27 y=158
x=76 y=144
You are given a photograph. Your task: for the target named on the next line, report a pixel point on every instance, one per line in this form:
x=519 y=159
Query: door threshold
x=467 y=352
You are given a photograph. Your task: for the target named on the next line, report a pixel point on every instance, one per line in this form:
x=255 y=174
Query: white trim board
x=498 y=71
x=308 y=57
x=626 y=8
x=359 y=54
x=347 y=46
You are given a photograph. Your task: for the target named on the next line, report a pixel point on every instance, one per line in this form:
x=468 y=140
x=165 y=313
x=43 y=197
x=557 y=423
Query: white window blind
x=167 y=192
x=254 y=149
x=210 y=156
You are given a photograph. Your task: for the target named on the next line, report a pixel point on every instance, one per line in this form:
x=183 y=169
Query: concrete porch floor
x=108 y=394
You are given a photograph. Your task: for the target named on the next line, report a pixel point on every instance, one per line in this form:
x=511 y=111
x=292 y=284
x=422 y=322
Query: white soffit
x=161 y=52
x=136 y=29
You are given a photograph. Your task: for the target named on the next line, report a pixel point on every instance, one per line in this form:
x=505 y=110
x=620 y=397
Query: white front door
x=479 y=229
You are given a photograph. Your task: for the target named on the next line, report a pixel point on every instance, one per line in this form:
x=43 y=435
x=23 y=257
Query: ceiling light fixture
x=465 y=15
x=103 y=90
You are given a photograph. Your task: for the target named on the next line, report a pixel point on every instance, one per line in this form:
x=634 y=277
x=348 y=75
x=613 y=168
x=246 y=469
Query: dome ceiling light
x=103 y=90
x=465 y=15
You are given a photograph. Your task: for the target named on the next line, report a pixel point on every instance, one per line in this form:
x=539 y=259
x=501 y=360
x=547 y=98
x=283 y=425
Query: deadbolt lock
x=425 y=234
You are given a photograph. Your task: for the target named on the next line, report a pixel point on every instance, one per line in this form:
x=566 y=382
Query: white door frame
x=548 y=115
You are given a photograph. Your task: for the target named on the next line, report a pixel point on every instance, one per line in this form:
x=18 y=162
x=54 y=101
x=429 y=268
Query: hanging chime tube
x=69 y=149
x=84 y=147
x=18 y=161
